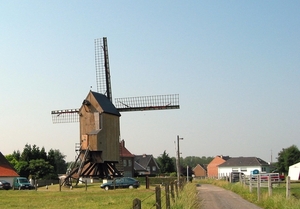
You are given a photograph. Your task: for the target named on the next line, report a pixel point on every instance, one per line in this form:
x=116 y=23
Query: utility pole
x=178 y=161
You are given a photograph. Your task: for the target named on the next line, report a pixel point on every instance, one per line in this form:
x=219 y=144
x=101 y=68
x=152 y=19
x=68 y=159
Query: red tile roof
x=123 y=151
x=6 y=169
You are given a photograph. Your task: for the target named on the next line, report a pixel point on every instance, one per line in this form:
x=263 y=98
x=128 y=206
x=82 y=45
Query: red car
x=4 y=185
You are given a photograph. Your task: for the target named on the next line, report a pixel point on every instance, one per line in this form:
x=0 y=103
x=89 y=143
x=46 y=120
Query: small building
x=294 y=171
x=245 y=165
x=145 y=165
x=200 y=171
x=212 y=167
x=7 y=171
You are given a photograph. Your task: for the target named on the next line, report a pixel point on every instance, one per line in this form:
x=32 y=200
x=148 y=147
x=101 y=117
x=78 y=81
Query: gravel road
x=214 y=197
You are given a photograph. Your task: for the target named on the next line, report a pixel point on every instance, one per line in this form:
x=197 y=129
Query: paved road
x=214 y=197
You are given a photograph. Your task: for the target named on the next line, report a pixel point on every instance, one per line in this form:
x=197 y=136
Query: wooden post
x=176 y=189
x=85 y=185
x=258 y=187
x=172 y=191
x=288 y=187
x=137 y=204
x=168 y=205
x=147 y=182
x=60 y=185
x=269 y=186
x=250 y=184
x=158 y=197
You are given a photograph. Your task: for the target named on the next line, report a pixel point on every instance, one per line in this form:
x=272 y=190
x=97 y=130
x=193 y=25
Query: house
x=200 y=171
x=7 y=171
x=245 y=165
x=294 y=171
x=212 y=167
x=145 y=165
x=126 y=164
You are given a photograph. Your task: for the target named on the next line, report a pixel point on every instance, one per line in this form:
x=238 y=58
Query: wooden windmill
x=99 y=118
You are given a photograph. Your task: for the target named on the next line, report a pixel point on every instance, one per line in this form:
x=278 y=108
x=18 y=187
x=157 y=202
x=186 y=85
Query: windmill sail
x=102 y=68
x=157 y=102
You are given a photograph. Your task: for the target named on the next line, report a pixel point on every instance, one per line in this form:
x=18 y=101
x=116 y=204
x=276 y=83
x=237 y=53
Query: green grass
x=93 y=197
x=188 y=198
x=278 y=199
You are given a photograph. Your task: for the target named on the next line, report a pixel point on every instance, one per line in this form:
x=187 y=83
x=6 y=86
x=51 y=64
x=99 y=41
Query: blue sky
x=235 y=65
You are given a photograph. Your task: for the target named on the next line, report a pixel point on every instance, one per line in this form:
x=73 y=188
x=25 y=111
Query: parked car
x=22 y=183
x=123 y=182
x=4 y=185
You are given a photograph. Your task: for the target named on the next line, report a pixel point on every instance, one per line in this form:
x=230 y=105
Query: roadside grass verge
x=278 y=199
x=188 y=198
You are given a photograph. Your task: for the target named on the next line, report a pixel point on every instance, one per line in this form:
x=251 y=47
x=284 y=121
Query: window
x=263 y=169
x=243 y=169
x=124 y=163
x=129 y=163
x=148 y=168
x=153 y=168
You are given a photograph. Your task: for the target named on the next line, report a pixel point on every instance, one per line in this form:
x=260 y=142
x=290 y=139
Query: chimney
x=123 y=143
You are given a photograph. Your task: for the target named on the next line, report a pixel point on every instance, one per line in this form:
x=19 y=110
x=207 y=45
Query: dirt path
x=214 y=197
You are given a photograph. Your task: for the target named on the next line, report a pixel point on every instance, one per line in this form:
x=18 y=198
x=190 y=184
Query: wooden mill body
x=99 y=129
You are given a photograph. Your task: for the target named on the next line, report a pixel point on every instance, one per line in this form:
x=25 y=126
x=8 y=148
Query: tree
x=287 y=157
x=35 y=162
x=57 y=159
x=166 y=163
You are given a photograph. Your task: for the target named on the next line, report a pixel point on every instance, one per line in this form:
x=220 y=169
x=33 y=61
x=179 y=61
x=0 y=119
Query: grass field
x=93 y=197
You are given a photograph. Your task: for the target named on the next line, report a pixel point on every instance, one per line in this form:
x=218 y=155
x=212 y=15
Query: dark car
x=124 y=182
x=4 y=185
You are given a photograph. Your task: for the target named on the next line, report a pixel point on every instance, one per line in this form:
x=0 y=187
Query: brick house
x=126 y=163
x=212 y=167
x=200 y=171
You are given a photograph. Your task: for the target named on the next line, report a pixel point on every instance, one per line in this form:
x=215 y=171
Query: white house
x=294 y=171
x=245 y=165
x=7 y=172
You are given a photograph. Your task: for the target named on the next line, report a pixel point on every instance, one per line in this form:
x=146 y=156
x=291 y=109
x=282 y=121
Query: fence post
x=270 y=186
x=158 y=197
x=137 y=204
x=258 y=187
x=168 y=206
x=85 y=185
x=250 y=184
x=172 y=191
x=147 y=182
x=176 y=189
x=288 y=187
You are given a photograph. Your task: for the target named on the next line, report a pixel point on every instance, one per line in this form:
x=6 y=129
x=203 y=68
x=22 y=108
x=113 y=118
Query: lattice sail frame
x=102 y=68
x=157 y=102
x=65 y=116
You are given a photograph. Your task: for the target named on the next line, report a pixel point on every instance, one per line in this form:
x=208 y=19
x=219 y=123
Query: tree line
x=34 y=162
x=168 y=164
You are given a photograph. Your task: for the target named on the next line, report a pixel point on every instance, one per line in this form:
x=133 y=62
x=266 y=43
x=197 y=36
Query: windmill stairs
x=87 y=167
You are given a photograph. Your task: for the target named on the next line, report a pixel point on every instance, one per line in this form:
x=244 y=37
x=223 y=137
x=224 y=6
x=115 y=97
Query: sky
x=234 y=64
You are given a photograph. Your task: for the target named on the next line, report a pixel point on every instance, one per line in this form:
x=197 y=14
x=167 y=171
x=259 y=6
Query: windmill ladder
x=83 y=161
